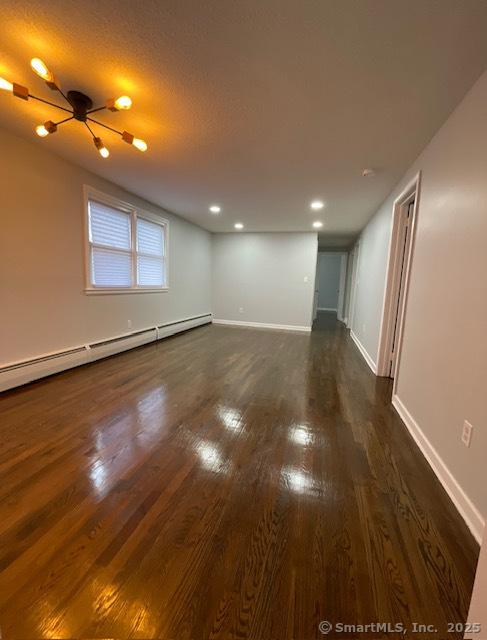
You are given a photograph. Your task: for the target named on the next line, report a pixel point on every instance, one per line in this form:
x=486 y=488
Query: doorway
x=404 y=242
x=399 y=267
x=354 y=260
x=330 y=282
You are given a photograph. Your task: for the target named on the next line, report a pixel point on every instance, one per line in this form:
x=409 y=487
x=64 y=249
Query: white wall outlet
x=306 y=279
x=467 y=433
x=240 y=309
x=129 y=324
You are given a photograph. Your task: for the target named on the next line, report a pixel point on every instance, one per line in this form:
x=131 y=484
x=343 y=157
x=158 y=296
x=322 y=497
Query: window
x=126 y=247
x=150 y=254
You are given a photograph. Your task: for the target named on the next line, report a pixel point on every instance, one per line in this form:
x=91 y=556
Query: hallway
x=224 y=483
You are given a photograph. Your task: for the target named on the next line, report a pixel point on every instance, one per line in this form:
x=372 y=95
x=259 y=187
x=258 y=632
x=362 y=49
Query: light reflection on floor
x=231 y=418
x=301 y=434
x=299 y=482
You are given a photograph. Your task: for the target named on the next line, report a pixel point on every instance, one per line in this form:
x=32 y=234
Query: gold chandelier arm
x=105 y=125
x=63 y=121
x=65 y=97
x=52 y=104
x=90 y=130
x=97 y=109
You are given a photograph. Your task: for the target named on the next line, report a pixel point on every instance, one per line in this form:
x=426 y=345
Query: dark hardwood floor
x=225 y=483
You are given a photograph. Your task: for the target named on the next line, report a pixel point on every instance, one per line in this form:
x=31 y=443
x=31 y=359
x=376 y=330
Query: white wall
x=264 y=275
x=329 y=267
x=43 y=305
x=443 y=371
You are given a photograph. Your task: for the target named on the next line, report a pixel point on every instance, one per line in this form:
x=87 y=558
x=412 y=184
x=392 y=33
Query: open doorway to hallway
x=331 y=270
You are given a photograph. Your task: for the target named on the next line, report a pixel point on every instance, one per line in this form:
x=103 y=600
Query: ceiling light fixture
x=45 y=129
x=316 y=205
x=17 y=89
x=41 y=131
x=119 y=104
x=6 y=85
x=238 y=225
x=102 y=150
x=215 y=208
x=80 y=108
x=42 y=71
x=317 y=224
x=368 y=173
x=141 y=145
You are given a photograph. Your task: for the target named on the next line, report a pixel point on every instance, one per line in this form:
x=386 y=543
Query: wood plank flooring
x=222 y=484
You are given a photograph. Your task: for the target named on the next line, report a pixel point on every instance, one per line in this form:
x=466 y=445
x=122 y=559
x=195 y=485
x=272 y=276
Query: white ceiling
x=257 y=105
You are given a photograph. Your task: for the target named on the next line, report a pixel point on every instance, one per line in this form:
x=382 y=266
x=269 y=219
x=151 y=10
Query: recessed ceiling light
x=316 y=205
x=317 y=224
x=238 y=225
x=215 y=208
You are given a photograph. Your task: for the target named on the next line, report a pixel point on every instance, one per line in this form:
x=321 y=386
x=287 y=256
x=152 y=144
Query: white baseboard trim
x=14 y=374
x=364 y=353
x=262 y=325
x=327 y=309
x=462 y=502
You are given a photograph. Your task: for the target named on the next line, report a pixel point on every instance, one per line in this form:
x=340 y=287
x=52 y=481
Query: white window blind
x=150 y=254
x=126 y=252
x=109 y=227
x=110 y=239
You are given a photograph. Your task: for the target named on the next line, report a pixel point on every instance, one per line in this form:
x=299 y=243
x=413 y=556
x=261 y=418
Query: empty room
x=243 y=294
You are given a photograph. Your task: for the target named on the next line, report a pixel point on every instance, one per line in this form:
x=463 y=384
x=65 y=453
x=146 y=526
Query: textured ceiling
x=257 y=105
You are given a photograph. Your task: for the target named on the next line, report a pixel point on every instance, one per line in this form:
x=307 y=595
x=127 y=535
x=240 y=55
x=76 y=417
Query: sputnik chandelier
x=80 y=108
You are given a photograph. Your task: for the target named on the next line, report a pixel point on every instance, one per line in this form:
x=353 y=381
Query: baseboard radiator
x=18 y=373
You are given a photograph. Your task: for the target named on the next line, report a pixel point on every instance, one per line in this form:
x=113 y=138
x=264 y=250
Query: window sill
x=99 y=292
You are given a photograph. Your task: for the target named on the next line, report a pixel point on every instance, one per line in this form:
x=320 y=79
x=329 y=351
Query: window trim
x=90 y=193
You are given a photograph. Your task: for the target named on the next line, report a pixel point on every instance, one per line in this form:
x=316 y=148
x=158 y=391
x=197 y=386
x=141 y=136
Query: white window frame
x=135 y=212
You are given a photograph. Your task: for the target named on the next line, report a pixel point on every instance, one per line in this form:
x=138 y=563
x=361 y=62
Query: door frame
x=353 y=283
x=341 y=287
x=394 y=266
x=316 y=286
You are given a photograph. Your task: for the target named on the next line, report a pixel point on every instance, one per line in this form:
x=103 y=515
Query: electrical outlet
x=129 y=324
x=240 y=309
x=467 y=433
x=306 y=279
